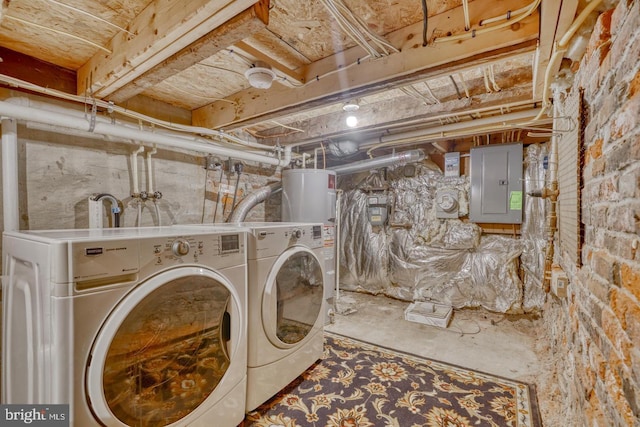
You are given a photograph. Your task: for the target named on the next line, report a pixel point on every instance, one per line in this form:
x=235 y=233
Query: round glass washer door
x=163 y=350
x=293 y=297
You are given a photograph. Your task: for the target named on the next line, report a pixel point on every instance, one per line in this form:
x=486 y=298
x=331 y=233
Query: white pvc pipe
x=134 y=171
x=10 y=194
x=150 y=189
x=27 y=113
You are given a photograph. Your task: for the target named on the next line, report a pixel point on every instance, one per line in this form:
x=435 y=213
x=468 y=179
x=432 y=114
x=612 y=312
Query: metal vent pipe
x=241 y=211
x=411 y=156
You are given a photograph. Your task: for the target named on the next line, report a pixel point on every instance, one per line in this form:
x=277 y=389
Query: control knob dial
x=180 y=247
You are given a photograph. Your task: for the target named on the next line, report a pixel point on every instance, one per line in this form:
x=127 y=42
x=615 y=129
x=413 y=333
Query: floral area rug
x=358 y=384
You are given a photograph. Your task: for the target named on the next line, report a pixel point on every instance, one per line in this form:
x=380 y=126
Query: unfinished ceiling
x=440 y=67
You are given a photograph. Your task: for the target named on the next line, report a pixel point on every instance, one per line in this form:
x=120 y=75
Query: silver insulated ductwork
x=405 y=157
x=242 y=209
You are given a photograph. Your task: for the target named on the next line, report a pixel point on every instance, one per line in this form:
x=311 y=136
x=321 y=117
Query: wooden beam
x=35 y=71
x=555 y=18
x=162 y=29
x=390 y=113
x=412 y=64
x=250 y=21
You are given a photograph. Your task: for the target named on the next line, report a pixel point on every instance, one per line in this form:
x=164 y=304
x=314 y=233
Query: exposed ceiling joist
x=555 y=19
x=332 y=126
x=35 y=71
x=250 y=21
x=161 y=30
x=251 y=105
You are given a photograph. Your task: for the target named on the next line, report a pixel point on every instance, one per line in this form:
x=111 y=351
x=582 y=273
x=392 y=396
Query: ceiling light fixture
x=260 y=75
x=352 y=121
x=351 y=107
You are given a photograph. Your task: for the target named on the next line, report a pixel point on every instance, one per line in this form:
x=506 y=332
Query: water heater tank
x=308 y=195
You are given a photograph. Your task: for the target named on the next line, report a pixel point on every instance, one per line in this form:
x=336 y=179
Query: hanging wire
x=455 y=85
x=430 y=92
x=91 y=15
x=62 y=33
x=358 y=30
x=425 y=22
x=465 y=9
x=486 y=80
x=197 y=95
x=492 y=79
x=464 y=85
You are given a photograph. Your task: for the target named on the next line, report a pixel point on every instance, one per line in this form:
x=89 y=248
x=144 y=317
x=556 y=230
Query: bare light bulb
x=352 y=121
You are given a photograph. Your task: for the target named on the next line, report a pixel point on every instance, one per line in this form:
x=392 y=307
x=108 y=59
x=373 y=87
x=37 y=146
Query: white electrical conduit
x=559 y=51
x=433 y=119
x=10 y=178
x=358 y=29
x=454 y=129
x=506 y=16
x=12 y=81
x=465 y=10
x=17 y=109
x=474 y=33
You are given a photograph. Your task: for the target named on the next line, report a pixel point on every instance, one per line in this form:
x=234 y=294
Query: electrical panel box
x=496 y=184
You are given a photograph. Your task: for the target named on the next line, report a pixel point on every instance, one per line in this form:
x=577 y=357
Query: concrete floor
x=503 y=345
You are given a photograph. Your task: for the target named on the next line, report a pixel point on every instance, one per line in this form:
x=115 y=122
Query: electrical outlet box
x=96 y=216
x=559 y=281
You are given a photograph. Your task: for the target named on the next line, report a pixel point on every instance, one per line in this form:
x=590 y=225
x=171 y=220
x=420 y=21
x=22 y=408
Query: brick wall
x=595 y=333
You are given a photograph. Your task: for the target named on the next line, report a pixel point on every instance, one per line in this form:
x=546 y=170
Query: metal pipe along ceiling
x=410 y=156
x=21 y=109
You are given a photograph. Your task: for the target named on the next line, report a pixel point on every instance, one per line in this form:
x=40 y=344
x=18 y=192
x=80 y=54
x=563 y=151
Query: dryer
x=140 y=326
x=286 y=305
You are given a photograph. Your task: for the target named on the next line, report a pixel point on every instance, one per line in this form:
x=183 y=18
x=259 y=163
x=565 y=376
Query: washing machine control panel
x=210 y=250
x=273 y=239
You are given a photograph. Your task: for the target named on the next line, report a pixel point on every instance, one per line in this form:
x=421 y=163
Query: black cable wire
x=456 y=86
x=235 y=193
x=215 y=211
x=425 y=13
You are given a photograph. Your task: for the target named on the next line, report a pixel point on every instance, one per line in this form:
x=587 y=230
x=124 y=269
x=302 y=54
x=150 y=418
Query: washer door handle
x=226 y=327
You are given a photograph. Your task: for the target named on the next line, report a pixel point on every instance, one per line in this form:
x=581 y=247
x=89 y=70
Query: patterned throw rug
x=362 y=385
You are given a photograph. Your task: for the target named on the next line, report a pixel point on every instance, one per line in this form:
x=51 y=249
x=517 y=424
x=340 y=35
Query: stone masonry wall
x=595 y=332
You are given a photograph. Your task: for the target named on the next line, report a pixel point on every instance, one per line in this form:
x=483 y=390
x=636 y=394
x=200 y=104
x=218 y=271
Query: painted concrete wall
x=594 y=334
x=58 y=173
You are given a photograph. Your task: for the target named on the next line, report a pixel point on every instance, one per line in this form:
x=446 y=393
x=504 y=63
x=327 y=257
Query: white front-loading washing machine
x=130 y=327
x=286 y=305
